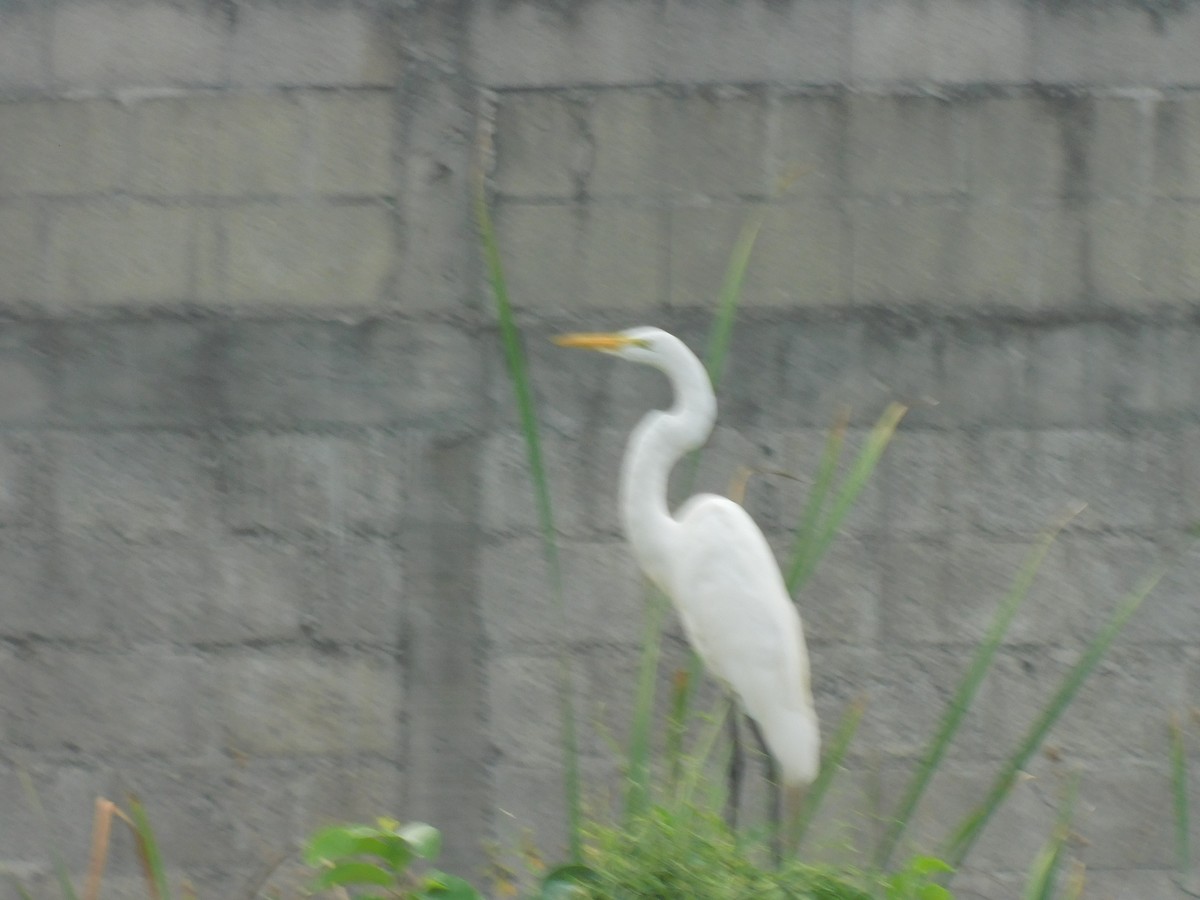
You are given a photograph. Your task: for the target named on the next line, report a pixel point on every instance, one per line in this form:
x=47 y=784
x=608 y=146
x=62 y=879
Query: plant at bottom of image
x=374 y=862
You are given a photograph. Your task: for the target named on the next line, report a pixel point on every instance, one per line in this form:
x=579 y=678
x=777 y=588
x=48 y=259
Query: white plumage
x=712 y=560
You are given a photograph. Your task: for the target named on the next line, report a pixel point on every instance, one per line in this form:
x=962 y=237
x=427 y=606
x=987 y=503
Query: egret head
x=643 y=344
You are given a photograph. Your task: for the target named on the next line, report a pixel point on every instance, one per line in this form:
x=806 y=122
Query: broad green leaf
x=928 y=865
x=425 y=840
x=567 y=883
x=448 y=887
x=354 y=873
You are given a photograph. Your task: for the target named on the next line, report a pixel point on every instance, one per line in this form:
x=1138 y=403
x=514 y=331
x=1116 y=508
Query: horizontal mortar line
x=957 y=91
x=130 y=96
x=320 y=647
x=53 y=202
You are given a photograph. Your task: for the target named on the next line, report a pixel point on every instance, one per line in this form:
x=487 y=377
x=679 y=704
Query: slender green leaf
x=969 y=831
x=20 y=888
x=425 y=840
x=349 y=873
x=1179 y=787
x=957 y=709
x=681 y=688
x=830 y=764
x=806 y=533
x=637 y=794
x=151 y=858
x=515 y=358
x=852 y=485
x=61 y=872
x=1043 y=874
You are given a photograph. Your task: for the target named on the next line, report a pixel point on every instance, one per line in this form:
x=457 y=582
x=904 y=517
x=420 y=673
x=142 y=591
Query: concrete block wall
x=269 y=556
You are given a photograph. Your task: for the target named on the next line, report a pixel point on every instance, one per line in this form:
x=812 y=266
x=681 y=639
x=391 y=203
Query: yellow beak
x=597 y=340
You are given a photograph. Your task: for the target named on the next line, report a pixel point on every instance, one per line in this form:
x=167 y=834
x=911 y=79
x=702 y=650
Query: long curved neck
x=656 y=444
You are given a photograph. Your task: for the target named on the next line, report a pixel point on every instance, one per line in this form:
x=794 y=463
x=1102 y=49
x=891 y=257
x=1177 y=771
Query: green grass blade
x=831 y=764
x=970 y=829
x=152 y=861
x=61 y=872
x=1043 y=874
x=637 y=794
x=965 y=693
x=729 y=298
x=681 y=692
x=19 y=888
x=806 y=534
x=856 y=479
x=1179 y=788
x=515 y=358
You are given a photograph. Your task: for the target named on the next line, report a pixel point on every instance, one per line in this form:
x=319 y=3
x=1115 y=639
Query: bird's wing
x=729 y=591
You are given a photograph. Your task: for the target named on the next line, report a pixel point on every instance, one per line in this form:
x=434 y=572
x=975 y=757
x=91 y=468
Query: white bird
x=713 y=561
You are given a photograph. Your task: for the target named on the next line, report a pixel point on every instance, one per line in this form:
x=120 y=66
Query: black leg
x=775 y=797
x=735 y=766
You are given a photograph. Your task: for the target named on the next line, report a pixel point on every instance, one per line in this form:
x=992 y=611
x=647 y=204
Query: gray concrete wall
x=267 y=552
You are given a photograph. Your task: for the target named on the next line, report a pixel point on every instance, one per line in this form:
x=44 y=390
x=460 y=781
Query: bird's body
x=713 y=561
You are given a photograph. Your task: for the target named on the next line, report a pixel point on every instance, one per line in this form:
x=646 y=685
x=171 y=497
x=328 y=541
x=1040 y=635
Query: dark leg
x=774 y=803
x=735 y=766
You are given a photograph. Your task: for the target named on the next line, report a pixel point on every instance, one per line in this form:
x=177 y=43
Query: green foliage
x=364 y=858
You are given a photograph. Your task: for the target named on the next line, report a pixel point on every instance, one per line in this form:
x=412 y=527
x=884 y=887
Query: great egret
x=713 y=561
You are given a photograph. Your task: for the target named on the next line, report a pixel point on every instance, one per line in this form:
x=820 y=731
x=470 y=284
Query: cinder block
x=1021 y=147
x=148 y=700
x=1121 y=146
x=1125 y=827
x=584 y=257
x=903 y=357
x=530 y=806
x=66 y=790
x=923 y=476
x=840 y=604
x=331 y=46
x=139 y=45
x=21 y=259
x=625 y=130
x=307 y=256
x=1133 y=884
x=294 y=373
x=139 y=373
x=26 y=582
x=542 y=144
x=507 y=502
x=714 y=143
x=187 y=590
x=1115 y=45
x=797 y=43
x=28 y=374
x=800 y=257
x=353 y=142
x=142 y=488
x=1124 y=479
x=825 y=371
x=24 y=47
x=62 y=146
x=1142 y=255
x=942 y=41
x=525 y=699
x=605 y=596
x=438 y=233
x=119 y=252
x=809 y=142
x=1128 y=371
x=906 y=702
x=288 y=484
x=333 y=794
x=991 y=267
x=1177 y=147
x=900 y=144
x=220 y=144
x=1060 y=258
x=985 y=371
x=19 y=480
x=1060 y=385
x=905 y=253
x=274 y=704
x=1121 y=711
x=949 y=592
x=520 y=45
x=355 y=593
